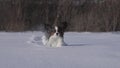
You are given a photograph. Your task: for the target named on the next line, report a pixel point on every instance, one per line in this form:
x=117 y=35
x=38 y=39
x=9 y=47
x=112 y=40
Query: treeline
x=81 y=15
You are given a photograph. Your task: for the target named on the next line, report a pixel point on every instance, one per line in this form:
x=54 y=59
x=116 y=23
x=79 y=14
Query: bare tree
x=62 y=10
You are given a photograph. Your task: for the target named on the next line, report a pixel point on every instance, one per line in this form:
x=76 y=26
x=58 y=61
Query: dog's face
x=56 y=29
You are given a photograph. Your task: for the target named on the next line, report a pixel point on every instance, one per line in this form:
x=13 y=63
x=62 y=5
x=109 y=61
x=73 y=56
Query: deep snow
x=84 y=50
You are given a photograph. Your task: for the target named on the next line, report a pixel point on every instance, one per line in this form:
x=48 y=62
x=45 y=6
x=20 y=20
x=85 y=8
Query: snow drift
x=84 y=50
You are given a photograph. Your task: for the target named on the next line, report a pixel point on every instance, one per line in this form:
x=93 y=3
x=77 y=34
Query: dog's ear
x=47 y=26
x=64 y=25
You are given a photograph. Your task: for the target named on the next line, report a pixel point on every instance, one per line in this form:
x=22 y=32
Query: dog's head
x=57 y=29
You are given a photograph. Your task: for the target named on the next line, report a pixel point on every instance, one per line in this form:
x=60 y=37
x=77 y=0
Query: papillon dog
x=54 y=34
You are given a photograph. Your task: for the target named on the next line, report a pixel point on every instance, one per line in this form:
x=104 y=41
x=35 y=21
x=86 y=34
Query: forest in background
x=81 y=15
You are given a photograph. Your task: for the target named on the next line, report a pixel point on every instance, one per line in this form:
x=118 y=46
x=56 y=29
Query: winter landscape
x=92 y=33
x=84 y=50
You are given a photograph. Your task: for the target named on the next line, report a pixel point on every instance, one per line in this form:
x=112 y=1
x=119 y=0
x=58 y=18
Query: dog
x=54 y=34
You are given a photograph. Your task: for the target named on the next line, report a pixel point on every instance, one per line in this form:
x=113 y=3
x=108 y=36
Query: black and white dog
x=54 y=34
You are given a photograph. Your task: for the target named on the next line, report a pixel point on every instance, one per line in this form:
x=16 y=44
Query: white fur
x=53 y=41
x=56 y=28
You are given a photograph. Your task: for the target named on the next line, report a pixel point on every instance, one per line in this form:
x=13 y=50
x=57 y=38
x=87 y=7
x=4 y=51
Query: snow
x=84 y=50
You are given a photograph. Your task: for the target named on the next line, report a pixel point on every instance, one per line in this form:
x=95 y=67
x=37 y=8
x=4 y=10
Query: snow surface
x=84 y=50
